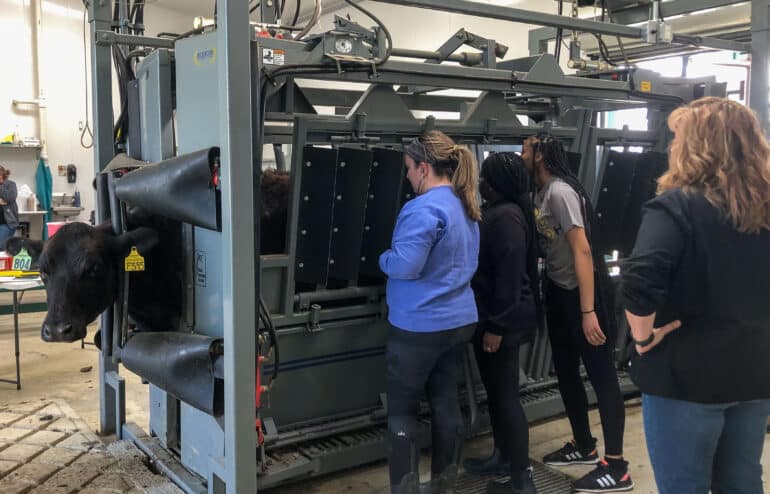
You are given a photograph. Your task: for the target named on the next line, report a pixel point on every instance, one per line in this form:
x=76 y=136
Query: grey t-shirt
x=558 y=210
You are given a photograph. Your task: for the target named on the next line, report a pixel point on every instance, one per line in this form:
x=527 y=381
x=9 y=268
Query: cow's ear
x=143 y=238
x=34 y=247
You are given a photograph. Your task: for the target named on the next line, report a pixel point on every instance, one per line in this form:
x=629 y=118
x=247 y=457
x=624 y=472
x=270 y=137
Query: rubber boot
x=443 y=483
x=492 y=465
x=410 y=484
x=521 y=482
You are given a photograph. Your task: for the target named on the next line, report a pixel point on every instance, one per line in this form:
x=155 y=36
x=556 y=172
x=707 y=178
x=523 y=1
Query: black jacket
x=501 y=285
x=690 y=264
x=10 y=210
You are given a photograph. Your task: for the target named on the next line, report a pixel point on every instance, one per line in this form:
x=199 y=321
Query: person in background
x=432 y=312
x=695 y=291
x=9 y=219
x=507 y=296
x=580 y=318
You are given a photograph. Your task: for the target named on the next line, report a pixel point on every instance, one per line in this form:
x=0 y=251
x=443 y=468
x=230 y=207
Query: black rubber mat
x=547 y=480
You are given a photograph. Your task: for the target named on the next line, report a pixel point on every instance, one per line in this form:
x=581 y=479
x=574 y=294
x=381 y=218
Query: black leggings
x=565 y=329
x=500 y=375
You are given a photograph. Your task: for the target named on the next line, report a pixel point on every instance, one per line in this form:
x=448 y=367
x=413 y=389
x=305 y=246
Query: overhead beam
x=539 y=37
x=477 y=9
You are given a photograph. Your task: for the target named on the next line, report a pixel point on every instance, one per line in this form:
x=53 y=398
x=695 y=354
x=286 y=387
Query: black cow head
x=79 y=267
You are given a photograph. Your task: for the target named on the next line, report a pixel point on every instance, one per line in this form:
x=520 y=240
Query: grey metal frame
x=759 y=99
x=100 y=18
x=557 y=21
x=240 y=280
x=538 y=38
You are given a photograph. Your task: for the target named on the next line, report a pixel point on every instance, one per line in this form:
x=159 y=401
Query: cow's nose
x=58 y=332
x=65 y=330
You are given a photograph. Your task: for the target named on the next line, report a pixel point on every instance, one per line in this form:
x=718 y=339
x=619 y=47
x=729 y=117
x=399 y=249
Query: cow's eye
x=92 y=272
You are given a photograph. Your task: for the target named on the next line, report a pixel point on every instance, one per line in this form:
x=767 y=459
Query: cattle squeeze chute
x=208 y=112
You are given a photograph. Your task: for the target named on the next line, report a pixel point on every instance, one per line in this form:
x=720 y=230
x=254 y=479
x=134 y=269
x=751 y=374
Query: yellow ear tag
x=134 y=261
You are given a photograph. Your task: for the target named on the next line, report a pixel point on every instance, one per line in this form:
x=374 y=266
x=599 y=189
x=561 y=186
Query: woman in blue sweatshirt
x=432 y=311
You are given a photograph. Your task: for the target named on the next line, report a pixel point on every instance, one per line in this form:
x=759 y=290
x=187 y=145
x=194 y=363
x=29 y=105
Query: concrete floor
x=61 y=371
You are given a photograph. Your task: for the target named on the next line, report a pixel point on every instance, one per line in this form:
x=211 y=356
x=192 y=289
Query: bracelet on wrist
x=588 y=311
x=645 y=341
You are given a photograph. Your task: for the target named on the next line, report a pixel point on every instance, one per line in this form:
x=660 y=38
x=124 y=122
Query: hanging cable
x=620 y=41
x=312 y=22
x=87 y=127
x=296 y=13
x=267 y=325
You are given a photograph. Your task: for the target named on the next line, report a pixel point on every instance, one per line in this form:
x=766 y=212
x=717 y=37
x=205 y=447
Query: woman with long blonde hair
x=432 y=311
x=695 y=291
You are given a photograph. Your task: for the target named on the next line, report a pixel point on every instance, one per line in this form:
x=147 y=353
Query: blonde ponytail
x=458 y=163
x=465 y=181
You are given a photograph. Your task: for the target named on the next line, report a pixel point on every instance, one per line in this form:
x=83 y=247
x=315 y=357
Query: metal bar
x=539 y=37
x=711 y=42
x=100 y=19
x=641 y=13
x=118 y=385
x=108 y=38
x=477 y=9
x=16 y=337
x=240 y=273
x=163 y=461
x=299 y=140
x=760 y=61
x=465 y=57
x=307 y=298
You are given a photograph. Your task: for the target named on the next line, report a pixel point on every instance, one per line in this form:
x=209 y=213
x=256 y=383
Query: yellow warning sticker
x=134 y=261
x=646 y=86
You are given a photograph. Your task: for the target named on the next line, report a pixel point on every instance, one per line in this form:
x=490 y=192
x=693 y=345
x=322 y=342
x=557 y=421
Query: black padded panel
x=316 y=203
x=649 y=167
x=383 y=203
x=613 y=196
x=350 y=201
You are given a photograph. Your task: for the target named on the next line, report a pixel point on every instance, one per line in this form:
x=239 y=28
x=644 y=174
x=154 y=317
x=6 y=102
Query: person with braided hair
x=580 y=316
x=508 y=299
x=432 y=312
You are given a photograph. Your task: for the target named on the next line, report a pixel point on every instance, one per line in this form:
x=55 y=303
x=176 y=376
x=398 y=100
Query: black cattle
x=80 y=266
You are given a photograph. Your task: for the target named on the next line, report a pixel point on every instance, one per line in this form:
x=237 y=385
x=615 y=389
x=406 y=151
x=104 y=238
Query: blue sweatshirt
x=430 y=264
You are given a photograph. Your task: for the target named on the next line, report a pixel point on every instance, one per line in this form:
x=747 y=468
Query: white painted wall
x=63 y=84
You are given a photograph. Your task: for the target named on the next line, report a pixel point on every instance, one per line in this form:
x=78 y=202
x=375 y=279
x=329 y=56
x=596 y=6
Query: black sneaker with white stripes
x=605 y=479
x=571 y=455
